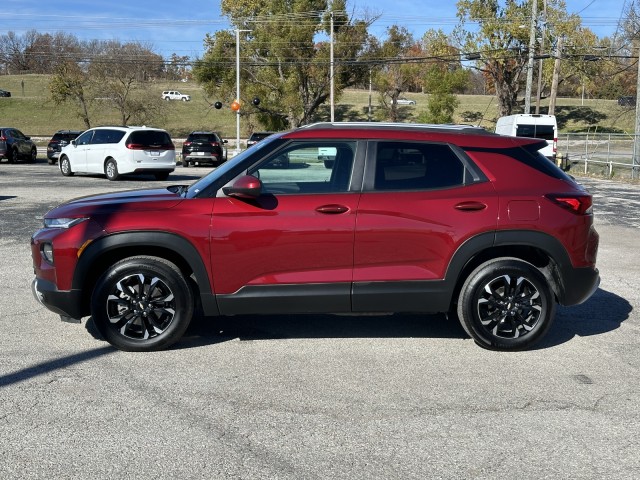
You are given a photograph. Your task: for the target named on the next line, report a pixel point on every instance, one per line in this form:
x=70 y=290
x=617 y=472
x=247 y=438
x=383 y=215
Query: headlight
x=63 y=222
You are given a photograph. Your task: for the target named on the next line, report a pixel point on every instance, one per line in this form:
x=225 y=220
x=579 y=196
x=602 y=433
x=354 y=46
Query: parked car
x=405 y=101
x=627 y=101
x=409 y=218
x=532 y=125
x=4 y=93
x=60 y=139
x=15 y=145
x=203 y=147
x=175 y=95
x=255 y=137
x=114 y=151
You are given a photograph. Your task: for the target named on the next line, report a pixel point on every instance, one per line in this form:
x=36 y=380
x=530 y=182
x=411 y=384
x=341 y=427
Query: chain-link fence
x=608 y=154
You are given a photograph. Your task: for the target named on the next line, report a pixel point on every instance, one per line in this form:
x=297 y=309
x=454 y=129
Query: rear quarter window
x=149 y=137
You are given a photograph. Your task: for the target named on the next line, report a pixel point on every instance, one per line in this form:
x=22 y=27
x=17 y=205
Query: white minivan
x=532 y=125
x=114 y=151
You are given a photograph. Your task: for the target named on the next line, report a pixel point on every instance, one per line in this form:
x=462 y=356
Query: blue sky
x=180 y=27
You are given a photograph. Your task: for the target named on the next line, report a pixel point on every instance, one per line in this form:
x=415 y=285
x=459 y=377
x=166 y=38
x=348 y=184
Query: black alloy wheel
x=142 y=304
x=506 y=304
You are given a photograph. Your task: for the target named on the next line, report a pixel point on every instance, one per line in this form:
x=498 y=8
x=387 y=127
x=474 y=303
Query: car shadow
x=602 y=313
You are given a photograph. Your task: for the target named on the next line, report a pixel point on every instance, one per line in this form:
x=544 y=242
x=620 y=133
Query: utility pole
x=532 y=47
x=636 y=140
x=544 y=28
x=556 y=76
x=331 y=70
x=238 y=87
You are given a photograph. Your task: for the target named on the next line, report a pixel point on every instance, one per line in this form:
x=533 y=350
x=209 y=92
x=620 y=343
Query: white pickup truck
x=175 y=95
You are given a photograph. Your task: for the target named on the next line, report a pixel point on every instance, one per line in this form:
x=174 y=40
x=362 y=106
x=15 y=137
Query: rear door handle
x=470 y=206
x=332 y=209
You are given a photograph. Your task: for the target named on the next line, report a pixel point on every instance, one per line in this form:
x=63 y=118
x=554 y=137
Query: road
x=316 y=397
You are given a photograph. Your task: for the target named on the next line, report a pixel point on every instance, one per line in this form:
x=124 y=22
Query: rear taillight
x=555 y=145
x=186 y=144
x=578 y=204
x=140 y=146
x=215 y=144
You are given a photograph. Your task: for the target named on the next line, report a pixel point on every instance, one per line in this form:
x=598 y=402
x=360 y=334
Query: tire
x=15 y=156
x=185 y=163
x=142 y=304
x=184 y=99
x=506 y=304
x=65 y=166
x=111 y=170
x=161 y=175
x=34 y=155
x=51 y=161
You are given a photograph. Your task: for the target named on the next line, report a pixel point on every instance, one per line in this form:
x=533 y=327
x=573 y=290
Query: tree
x=282 y=62
x=443 y=77
x=502 y=40
x=71 y=84
x=113 y=74
x=397 y=71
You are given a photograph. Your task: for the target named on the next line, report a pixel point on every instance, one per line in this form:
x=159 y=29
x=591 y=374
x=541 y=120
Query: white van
x=532 y=125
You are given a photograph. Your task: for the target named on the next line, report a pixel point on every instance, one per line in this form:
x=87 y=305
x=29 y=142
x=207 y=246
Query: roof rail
x=393 y=126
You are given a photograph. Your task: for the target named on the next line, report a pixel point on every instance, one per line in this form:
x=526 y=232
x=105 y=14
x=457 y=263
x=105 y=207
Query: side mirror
x=74 y=143
x=225 y=141
x=246 y=187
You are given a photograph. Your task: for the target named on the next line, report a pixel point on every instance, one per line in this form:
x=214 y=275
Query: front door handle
x=332 y=209
x=470 y=206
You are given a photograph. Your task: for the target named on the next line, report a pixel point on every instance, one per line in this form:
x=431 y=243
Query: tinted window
x=107 y=136
x=65 y=137
x=297 y=169
x=85 y=138
x=203 y=137
x=536 y=131
x=415 y=166
x=149 y=137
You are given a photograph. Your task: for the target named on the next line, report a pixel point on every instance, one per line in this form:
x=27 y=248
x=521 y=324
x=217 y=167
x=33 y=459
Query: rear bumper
x=64 y=303
x=578 y=285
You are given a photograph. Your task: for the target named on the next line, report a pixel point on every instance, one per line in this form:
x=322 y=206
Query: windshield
x=227 y=169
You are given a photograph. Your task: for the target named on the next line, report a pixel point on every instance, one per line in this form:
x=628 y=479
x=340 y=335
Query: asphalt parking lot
x=305 y=397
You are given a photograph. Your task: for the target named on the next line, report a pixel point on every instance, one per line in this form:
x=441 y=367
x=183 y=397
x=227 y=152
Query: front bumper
x=64 y=303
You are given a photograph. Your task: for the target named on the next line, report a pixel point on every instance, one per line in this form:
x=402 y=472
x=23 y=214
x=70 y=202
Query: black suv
x=256 y=137
x=59 y=140
x=203 y=147
x=15 y=145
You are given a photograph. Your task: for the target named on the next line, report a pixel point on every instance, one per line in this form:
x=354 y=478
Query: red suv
x=409 y=218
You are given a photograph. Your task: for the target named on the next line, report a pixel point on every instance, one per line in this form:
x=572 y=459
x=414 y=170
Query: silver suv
x=114 y=151
x=175 y=95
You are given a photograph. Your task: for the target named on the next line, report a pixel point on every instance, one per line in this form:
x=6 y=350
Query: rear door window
x=546 y=132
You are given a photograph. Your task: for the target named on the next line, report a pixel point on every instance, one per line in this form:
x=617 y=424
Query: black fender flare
x=544 y=242
x=140 y=239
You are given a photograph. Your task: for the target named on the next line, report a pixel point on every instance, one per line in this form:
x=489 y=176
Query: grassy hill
x=30 y=110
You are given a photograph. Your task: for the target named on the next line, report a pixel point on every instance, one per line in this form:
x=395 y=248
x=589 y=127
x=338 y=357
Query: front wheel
x=15 y=156
x=506 y=304
x=111 y=170
x=142 y=304
x=65 y=166
x=34 y=155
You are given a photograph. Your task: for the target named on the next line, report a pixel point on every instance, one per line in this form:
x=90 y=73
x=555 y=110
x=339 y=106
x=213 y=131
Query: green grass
x=36 y=115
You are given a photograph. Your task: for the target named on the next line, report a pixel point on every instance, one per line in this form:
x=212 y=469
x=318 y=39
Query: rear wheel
x=111 y=170
x=142 y=304
x=65 y=166
x=506 y=304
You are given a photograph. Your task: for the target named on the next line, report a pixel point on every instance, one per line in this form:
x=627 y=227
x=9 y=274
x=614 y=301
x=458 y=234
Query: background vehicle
x=15 y=145
x=409 y=218
x=405 y=101
x=533 y=126
x=60 y=139
x=203 y=147
x=255 y=137
x=114 y=151
x=4 y=93
x=175 y=95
